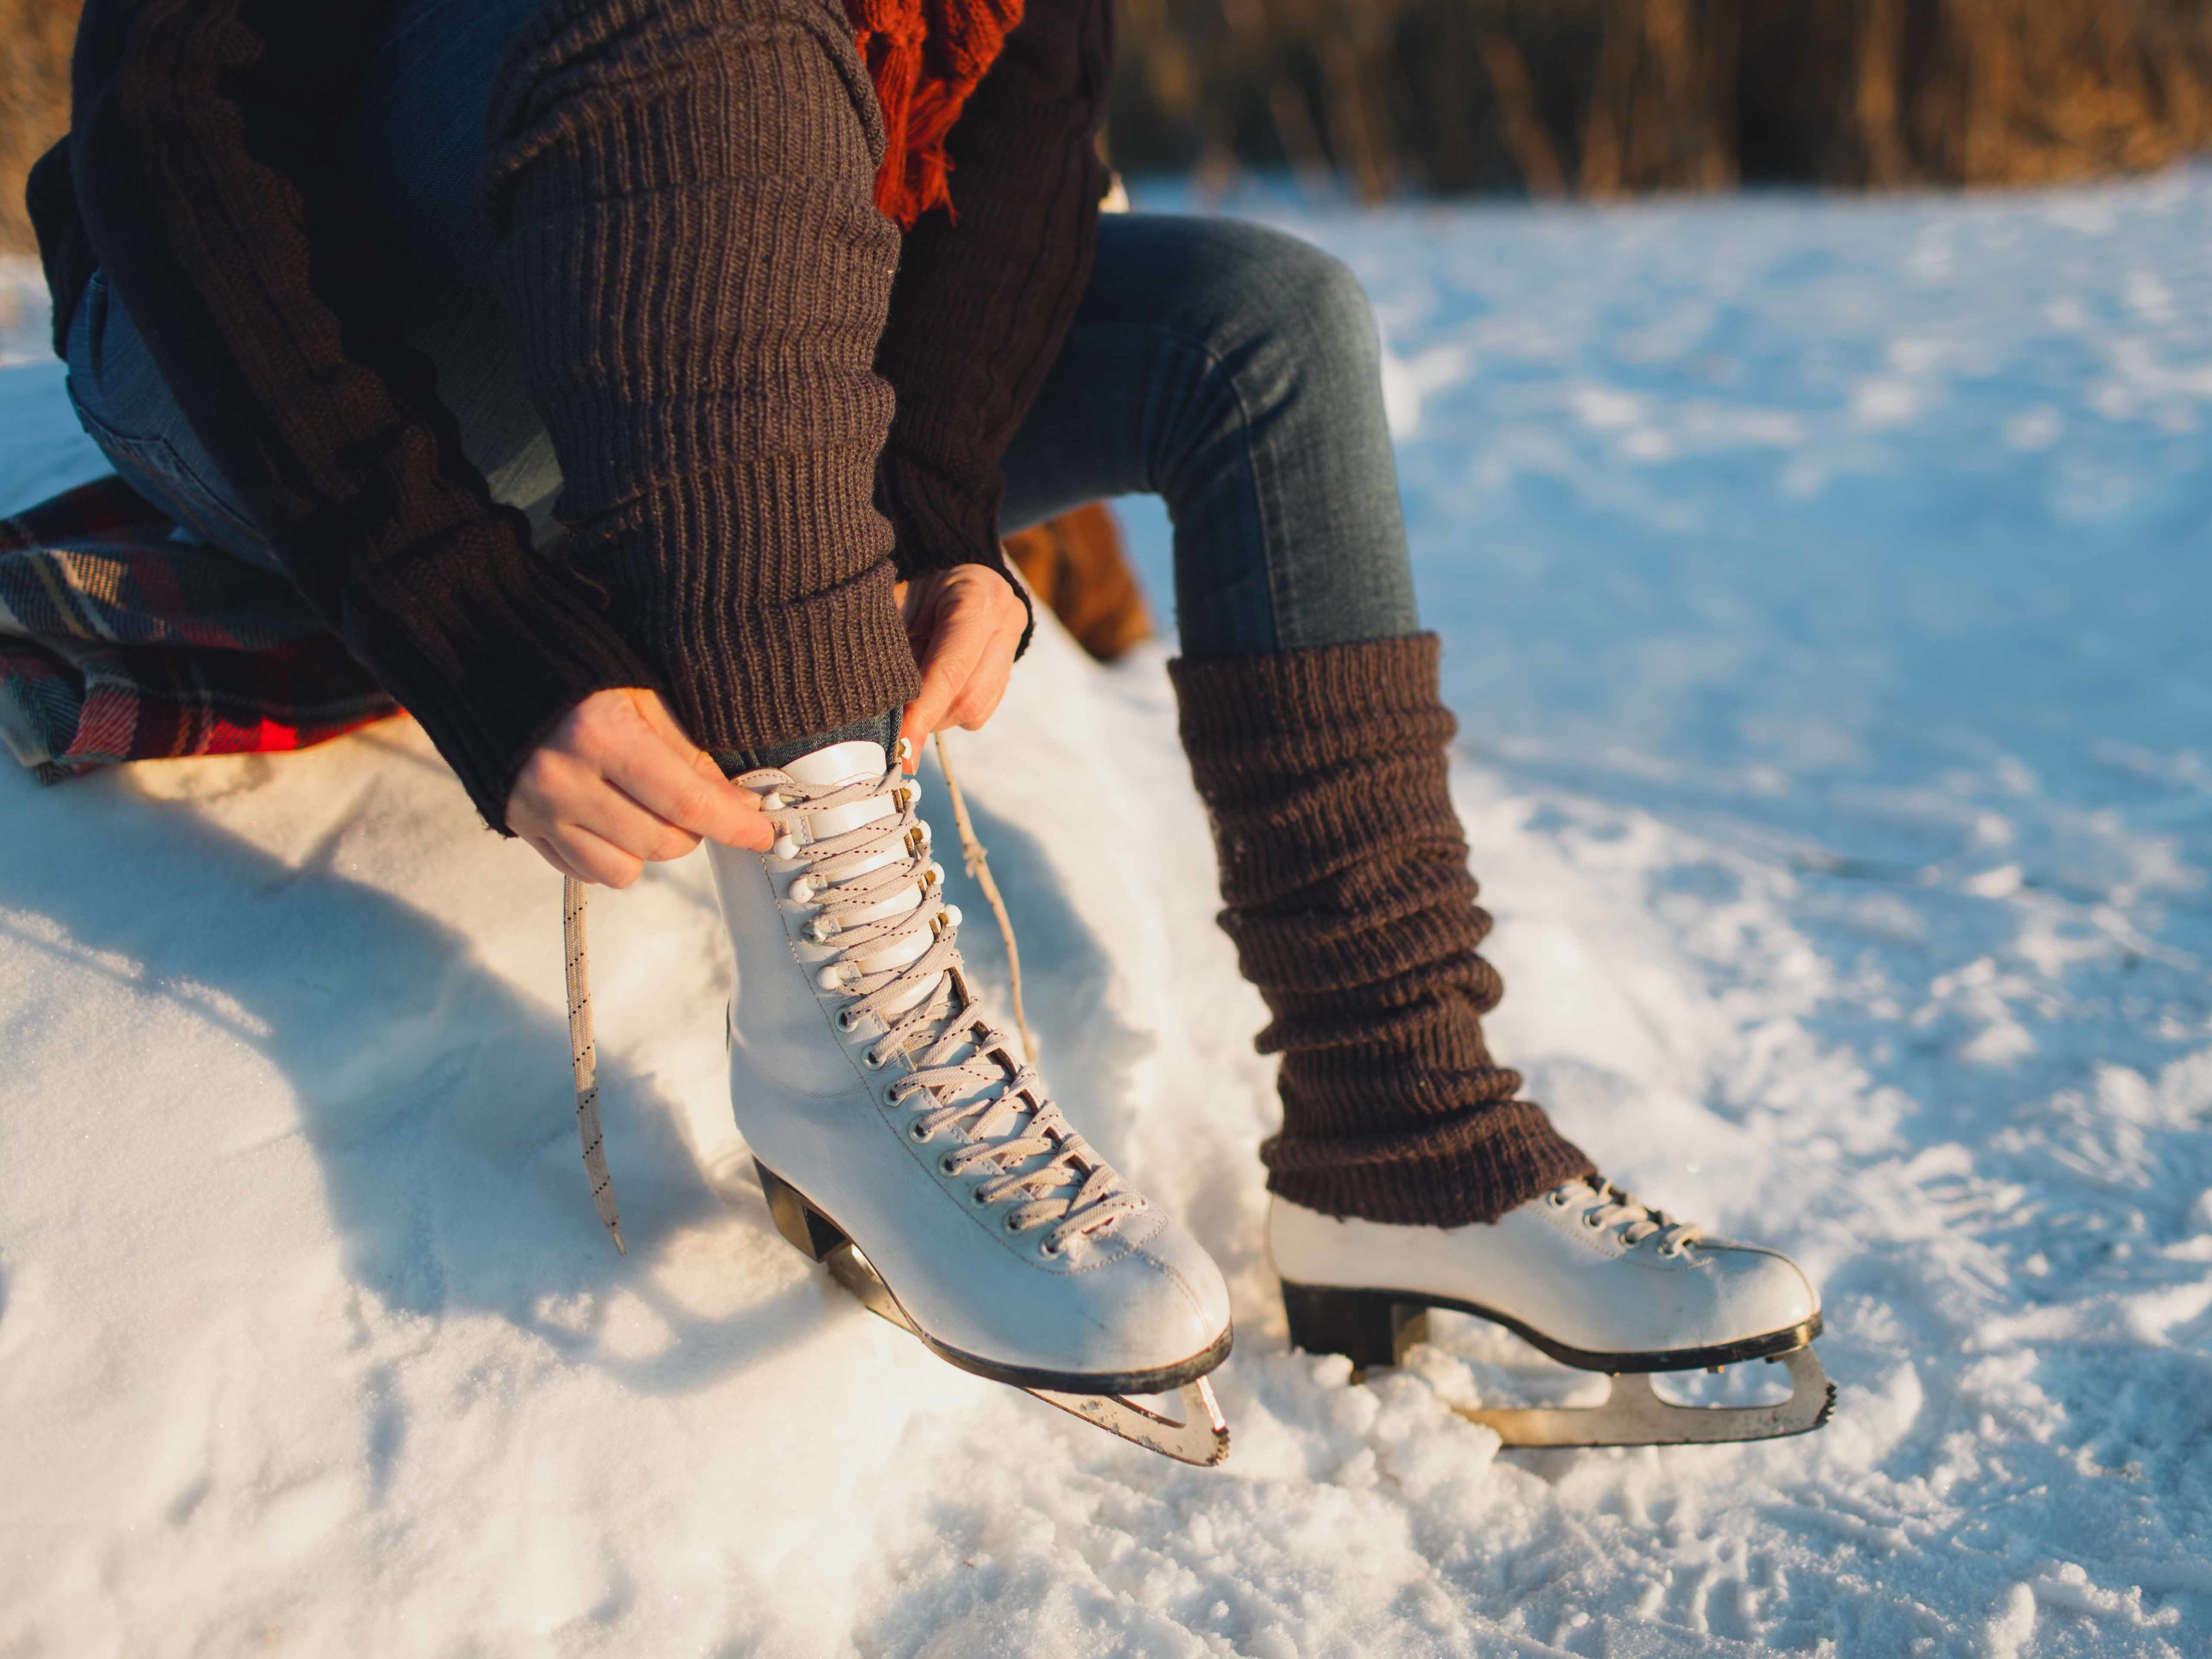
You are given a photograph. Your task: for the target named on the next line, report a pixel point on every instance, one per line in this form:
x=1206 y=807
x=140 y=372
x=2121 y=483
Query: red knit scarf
x=925 y=56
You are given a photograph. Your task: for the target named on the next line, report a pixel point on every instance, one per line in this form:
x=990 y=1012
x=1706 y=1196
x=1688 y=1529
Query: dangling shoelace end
x=583 y=1056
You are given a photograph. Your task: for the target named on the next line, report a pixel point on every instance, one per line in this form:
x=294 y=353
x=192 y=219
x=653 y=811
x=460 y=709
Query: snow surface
x=1825 y=592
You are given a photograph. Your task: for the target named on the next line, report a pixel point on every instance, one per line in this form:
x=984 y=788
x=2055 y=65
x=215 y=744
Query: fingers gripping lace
x=1606 y=1206
x=966 y=1075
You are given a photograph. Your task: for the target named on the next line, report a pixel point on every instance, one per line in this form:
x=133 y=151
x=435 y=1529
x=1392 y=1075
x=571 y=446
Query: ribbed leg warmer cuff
x=1344 y=870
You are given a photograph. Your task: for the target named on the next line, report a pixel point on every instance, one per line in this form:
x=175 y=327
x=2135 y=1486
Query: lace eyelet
x=1590 y=1220
x=1049 y=1249
x=946 y=1167
x=1011 y=1226
x=844 y=1020
x=922 y=1131
x=1670 y=1251
x=980 y=1197
x=872 y=1060
x=1557 y=1200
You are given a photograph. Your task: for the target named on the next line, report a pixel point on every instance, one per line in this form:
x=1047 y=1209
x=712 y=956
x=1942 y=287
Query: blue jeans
x=1232 y=370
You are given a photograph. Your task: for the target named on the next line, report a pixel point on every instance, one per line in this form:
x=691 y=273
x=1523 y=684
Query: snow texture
x=1825 y=592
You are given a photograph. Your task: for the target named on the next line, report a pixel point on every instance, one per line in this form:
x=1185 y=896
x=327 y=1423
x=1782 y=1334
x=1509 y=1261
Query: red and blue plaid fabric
x=121 y=640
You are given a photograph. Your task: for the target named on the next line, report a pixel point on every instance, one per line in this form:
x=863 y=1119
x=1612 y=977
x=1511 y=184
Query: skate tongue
x=832 y=768
x=840 y=763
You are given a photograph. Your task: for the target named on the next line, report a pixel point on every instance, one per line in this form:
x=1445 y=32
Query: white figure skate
x=902 y=1139
x=1588 y=1275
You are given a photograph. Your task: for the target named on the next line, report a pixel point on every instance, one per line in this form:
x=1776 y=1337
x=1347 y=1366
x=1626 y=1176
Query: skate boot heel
x=1369 y=1328
x=804 y=1228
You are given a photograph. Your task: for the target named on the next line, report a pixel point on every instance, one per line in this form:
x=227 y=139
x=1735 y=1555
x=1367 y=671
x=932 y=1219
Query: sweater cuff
x=488 y=645
x=937 y=524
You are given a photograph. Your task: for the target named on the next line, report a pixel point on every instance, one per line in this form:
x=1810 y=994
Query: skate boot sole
x=819 y=1239
x=1376 y=1327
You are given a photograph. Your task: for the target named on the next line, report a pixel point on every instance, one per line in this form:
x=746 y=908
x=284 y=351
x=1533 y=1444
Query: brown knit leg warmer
x=1344 y=869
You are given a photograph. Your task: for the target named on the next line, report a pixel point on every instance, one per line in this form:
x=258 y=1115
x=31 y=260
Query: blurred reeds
x=1564 y=97
x=1605 y=97
x=34 y=53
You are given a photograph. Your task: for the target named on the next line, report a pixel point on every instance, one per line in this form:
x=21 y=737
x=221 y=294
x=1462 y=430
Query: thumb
x=914 y=727
x=951 y=664
x=737 y=813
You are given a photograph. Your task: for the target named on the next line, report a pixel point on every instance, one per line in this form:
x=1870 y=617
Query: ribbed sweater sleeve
x=689 y=248
x=211 y=160
x=985 y=295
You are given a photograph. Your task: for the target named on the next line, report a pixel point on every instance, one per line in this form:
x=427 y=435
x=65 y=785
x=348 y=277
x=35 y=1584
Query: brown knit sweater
x=705 y=299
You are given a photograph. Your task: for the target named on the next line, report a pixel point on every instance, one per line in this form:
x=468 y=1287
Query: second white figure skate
x=1584 y=1273
x=903 y=1139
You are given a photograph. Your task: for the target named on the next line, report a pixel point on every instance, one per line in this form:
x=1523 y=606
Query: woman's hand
x=965 y=623
x=617 y=784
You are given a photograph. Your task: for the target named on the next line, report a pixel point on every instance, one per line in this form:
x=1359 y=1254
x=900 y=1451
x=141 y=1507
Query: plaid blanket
x=121 y=640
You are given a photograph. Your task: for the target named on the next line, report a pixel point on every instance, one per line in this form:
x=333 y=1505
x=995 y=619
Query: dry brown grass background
x=1558 y=97
x=34 y=46
x=1602 y=97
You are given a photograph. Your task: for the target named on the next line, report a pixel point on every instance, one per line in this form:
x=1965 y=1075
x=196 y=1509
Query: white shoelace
x=1606 y=1205
x=965 y=1076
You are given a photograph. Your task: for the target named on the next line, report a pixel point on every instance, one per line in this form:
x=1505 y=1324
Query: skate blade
x=1634 y=1415
x=1202 y=1438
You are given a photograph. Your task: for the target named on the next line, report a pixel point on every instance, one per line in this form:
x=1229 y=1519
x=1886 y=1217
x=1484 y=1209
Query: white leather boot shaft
x=1588 y=1269
x=863 y=1072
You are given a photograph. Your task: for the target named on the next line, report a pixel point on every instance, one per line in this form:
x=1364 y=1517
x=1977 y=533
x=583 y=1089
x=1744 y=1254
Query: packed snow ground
x=1824 y=588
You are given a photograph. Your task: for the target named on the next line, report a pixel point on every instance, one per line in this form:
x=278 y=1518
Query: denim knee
x=1282 y=313
x=1236 y=372
x=1316 y=302
x=1285 y=432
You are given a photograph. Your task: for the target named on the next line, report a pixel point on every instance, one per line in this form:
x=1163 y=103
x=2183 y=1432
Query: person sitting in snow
x=639 y=389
